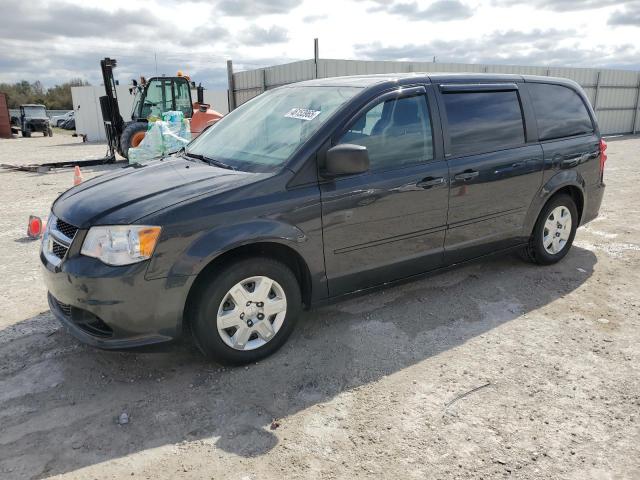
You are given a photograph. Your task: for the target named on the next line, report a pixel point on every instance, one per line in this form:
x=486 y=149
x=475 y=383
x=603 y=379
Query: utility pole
x=231 y=89
x=155 y=56
x=316 y=55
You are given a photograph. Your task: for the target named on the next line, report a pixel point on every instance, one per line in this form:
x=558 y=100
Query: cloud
x=438 y=11
x=52 y=65
x=562 y=5
x=256 y=36
x=56 y=40
x=208 y=34
x=253 y=8
x=53 y=42
x=629 y=15
x=39 y=21
x=314 y=18
x=537 y=47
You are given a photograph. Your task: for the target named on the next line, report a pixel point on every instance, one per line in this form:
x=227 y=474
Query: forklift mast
x=113 y=122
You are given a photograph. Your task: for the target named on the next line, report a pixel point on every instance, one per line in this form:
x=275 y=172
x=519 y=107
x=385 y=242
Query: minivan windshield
x=262 y=134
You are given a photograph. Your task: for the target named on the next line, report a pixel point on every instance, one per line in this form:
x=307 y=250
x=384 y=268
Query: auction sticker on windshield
x=302 y=114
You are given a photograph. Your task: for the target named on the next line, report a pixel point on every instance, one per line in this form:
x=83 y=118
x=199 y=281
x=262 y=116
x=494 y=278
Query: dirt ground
x=371 y=387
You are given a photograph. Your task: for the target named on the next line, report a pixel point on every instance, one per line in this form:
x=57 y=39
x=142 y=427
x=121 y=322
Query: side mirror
x=346 y=159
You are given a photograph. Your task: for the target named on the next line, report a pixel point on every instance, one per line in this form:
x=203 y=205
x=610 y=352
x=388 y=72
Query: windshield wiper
x=218 y=163
x=210 y=161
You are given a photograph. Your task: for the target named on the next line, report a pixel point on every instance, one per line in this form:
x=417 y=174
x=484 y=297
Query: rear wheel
x=132 y=135
x=26 y=133
x=246 y=310
x=554 y=231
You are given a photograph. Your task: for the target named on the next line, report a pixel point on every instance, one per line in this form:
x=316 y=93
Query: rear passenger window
x=560 y=112
x=483 y=121
x=397 y=133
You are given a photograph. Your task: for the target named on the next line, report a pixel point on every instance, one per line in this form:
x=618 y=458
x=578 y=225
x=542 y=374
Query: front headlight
x=121 y=244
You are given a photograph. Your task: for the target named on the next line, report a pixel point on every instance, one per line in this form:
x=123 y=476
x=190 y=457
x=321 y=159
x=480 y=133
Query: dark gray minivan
x=316 y=190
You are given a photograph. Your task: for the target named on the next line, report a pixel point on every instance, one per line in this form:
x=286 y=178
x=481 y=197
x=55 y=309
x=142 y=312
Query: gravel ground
x=371 y=387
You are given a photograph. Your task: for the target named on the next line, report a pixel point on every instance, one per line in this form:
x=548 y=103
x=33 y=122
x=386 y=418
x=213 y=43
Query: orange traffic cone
x=35 y=227
x=77 y=176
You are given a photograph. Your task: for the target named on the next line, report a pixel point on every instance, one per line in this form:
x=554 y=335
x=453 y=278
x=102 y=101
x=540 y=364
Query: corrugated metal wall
x=613 y=93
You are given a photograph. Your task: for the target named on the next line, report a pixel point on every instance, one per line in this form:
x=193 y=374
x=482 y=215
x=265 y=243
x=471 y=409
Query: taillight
x=603 y=155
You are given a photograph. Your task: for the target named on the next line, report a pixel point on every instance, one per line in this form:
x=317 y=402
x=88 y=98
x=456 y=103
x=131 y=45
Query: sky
x=54 y=40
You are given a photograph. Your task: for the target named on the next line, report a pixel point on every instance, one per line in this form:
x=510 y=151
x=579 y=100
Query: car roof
x=365 y=81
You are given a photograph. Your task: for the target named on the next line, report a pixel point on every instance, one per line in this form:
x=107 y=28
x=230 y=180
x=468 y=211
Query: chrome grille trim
x=56 y=242
x=66 y=229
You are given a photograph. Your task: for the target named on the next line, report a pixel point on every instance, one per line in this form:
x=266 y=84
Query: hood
x=128 y=194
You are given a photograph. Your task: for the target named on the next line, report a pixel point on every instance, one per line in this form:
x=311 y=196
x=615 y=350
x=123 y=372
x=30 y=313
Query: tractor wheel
x=26 y=133
x=49 y=132
x=132 y=136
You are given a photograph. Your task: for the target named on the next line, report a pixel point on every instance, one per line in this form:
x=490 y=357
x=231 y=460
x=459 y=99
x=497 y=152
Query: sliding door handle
x=509 y=168
x=467 y=175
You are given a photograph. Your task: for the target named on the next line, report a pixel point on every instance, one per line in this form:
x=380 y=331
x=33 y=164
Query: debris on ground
x=123 y=419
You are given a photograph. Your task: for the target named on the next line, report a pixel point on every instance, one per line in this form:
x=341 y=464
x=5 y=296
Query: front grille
x=66 y=309
x=85 y=320
x=95 y=327
x=58 y=249
x=66 y=229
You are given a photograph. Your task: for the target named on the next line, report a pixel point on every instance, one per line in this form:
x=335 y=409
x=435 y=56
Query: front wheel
x=246 y=310
x=131 y=137
x=554 y=231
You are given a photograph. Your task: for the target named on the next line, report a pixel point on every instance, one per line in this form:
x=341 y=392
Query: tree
x=57 y=97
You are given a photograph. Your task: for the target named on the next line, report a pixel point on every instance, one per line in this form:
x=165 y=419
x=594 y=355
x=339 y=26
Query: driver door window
x=397 y=133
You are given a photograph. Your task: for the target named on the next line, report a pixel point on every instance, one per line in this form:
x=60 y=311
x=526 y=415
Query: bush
x=54 y=98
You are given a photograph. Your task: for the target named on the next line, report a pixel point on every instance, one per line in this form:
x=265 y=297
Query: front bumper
x=114 y=307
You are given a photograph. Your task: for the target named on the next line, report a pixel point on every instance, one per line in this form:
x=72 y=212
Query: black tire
x=535 y=251
x=127 y=134
x=26 y=133
x=203 y=311
x=49 y=132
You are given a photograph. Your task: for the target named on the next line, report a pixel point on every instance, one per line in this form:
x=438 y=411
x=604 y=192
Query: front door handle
x=467 y=175
x=429 y=182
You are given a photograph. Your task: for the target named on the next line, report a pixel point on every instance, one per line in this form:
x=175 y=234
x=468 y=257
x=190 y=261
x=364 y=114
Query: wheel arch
x=263 y=248
x=569 y=182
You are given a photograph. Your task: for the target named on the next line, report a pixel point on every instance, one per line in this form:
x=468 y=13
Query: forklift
x=153 y=97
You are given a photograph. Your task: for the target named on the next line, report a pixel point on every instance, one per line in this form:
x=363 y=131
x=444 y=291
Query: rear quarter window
x=483 y=121
x=560 y=111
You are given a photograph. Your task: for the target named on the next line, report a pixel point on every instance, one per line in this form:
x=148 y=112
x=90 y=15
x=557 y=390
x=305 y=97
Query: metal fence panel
x=614 y=94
